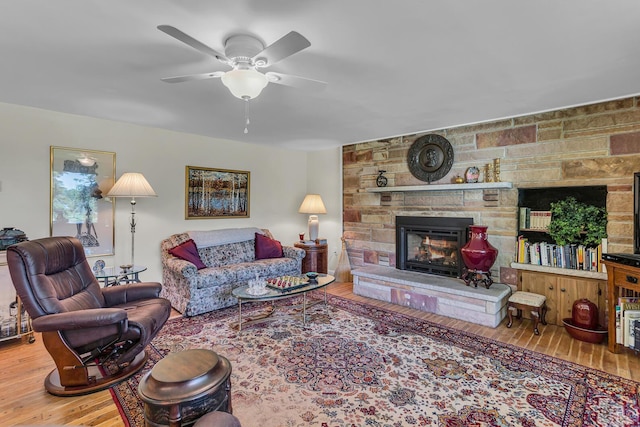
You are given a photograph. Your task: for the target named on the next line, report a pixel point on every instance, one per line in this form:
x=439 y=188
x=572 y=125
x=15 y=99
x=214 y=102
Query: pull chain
x=246 y=115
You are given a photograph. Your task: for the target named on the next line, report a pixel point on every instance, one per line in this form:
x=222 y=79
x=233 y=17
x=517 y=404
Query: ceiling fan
x=246 y=54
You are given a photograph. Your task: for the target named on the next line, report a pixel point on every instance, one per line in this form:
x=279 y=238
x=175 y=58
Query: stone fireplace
x=428 y=267
x=589 y=145
x=431 y=244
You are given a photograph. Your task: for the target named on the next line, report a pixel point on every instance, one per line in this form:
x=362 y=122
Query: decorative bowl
x=594 y=336
x=312 y=275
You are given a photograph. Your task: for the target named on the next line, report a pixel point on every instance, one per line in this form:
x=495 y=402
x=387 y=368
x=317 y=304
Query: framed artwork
x=216 y=193
x=78 y=208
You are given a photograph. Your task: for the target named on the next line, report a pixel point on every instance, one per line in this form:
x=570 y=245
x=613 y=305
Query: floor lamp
x=312 y=204
x=131 y=184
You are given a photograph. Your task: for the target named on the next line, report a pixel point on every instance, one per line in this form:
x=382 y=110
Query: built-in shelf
x=442 y=187
x=563 y=271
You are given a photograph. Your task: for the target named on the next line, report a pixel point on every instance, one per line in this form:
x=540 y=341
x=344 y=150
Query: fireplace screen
x=431 y=245
x=433 y=249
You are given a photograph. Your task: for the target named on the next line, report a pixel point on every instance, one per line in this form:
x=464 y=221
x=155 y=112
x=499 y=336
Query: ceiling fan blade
x=296 y=81
x=191 y=77
x=286 y=46
x=197 y=45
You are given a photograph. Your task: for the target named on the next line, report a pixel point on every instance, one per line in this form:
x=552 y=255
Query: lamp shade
x=312 y=204
x=131 y=184
x=244 y=84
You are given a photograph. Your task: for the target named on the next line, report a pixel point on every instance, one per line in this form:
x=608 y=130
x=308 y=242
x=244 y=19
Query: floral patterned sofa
x=227 y=259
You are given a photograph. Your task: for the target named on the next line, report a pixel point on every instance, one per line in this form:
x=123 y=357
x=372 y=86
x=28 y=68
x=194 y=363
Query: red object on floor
x=584 y=314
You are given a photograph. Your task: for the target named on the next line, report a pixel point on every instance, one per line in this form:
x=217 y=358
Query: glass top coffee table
x=116 y=275
x=243 y=295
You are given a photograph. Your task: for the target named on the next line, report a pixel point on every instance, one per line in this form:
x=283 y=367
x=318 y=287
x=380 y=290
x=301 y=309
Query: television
x=636 y=213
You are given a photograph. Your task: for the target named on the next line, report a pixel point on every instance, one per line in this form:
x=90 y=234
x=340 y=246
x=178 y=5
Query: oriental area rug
x=358 y=365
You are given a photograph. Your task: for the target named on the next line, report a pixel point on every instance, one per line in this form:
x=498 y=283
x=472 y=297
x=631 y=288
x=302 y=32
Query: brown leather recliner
x=96 y=336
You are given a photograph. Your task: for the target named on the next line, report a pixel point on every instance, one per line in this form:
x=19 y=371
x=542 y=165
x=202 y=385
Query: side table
x=112 y=276
x=316 y=257
x=184 y=386
x=619 y=277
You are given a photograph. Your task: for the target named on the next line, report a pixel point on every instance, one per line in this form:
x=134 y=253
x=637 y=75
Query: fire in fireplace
x=431 y=244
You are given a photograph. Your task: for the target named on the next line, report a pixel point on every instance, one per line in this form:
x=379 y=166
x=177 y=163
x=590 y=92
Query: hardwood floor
x=24 y=366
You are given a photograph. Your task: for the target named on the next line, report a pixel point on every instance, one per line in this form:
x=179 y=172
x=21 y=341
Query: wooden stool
x=534 y=303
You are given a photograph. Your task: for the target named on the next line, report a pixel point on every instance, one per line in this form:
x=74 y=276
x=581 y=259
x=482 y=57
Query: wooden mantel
x=442 y=187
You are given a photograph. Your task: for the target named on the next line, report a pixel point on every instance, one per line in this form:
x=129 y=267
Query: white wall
x=279 y=179
x=325 y=178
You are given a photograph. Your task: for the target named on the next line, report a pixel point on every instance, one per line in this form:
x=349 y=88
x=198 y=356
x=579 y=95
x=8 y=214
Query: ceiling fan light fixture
x=245 y=84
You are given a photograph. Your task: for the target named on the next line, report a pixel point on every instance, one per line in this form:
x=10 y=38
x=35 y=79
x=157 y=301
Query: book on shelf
x=636 y=334
x=534 y=254
x=544 y=254
x=540 y=220
x=630 y=316
x=618 y=325
x=534 y=220
x=602 y=249
x=525 y=221
x=521 y=248
x=624 y=304
x=572 y=256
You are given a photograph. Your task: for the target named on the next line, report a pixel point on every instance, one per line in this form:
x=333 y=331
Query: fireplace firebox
x=431 y=244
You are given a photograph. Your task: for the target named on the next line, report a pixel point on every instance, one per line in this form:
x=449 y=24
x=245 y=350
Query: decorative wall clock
x=430 y=157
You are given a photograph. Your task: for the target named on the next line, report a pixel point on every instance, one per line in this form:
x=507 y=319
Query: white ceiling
x=392 y=67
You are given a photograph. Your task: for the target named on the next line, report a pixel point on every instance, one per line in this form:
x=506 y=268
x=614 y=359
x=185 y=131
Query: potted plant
x=577 y=222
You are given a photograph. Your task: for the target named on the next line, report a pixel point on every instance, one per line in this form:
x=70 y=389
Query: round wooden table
x=185 y=385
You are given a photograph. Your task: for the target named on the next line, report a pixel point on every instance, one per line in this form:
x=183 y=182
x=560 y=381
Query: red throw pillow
x=267 y=248
x=188 y=252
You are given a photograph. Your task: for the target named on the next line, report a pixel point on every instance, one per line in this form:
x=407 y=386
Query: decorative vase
x=478 y=254
x=584 y=314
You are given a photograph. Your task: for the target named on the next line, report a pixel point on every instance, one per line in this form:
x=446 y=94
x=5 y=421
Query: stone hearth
x=434 y=294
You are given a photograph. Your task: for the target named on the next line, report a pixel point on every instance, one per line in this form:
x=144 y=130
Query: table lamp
x=312 y=204
x=131 y=184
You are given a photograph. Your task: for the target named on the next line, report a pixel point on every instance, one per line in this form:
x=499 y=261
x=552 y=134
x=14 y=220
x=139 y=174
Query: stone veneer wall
x=597 y=144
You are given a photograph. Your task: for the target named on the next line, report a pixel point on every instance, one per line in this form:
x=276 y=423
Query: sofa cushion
x=228 y=254
x=188 y=252
x=246 y=271
x=208 y=238
x=267 y=248
x=274 y=267
x=216 y=276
